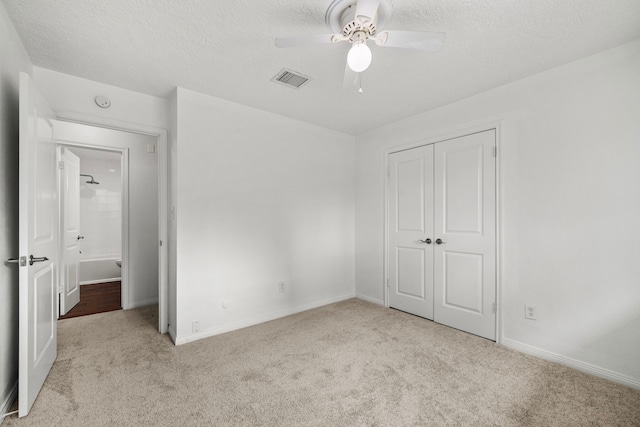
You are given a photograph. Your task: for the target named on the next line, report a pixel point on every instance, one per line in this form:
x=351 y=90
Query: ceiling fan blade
x=351 y=78
x=367 y=8
x=411 y=40
x=314 y=40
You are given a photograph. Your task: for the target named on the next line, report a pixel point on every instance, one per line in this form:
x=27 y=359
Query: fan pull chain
x=360 y=83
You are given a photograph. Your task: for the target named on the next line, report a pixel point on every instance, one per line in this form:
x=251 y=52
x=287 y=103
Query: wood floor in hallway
x=97 y=298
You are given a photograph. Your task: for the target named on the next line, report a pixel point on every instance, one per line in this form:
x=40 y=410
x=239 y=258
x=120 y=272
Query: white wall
x=143 y=202
x=260 y=199
x=72 y=97
x=570 y=174
x=13 y=60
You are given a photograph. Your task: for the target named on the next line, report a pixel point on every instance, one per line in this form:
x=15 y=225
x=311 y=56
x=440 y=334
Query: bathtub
x=99 y=271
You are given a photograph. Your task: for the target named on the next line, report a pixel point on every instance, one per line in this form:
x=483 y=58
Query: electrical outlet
x=195 y=326
x=282 y=287
x=530 y=312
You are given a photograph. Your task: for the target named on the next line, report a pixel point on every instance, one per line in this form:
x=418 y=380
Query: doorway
x=441 y=232
x=141 y=259
x=92 y=208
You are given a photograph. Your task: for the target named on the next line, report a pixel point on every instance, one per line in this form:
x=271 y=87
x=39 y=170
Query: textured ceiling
x=225 y=48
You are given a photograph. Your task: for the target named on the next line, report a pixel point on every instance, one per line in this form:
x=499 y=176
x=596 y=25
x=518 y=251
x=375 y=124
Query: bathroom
x=98 y=203
x=100 y=242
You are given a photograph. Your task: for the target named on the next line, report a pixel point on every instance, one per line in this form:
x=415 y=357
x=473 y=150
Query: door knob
x=22 y=261
x=440 y=242
x=426 y=241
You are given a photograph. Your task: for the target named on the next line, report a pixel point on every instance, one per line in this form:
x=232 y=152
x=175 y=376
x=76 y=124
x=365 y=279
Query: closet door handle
x=79 y=237
x=440 y=242
x=426 y=241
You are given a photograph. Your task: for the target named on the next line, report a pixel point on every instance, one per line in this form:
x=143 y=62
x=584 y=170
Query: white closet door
x=465 y=223
x=410 y=228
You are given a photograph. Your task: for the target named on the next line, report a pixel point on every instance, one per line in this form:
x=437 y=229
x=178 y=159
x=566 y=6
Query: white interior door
x=465 y=223
x=442 y=232
x=38 y=245
x=70 y=210
x=411 y=230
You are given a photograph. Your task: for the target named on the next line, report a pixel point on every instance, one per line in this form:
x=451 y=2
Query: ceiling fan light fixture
x=359 y=57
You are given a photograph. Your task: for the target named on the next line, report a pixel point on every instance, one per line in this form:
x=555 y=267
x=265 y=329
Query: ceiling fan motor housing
x=341 y=19
x=350 y=25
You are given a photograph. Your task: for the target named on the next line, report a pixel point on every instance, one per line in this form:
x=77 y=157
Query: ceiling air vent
x=291 y=78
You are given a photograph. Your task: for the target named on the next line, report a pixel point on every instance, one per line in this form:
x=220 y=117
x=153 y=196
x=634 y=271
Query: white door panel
x=411 y=274
x=411 y=219
x=410 y=192
x=38 y=238
x=70 y=201
x=463 y=274
x=444 y=192
x=461 y=177
x=465 y=265
x=45 y=299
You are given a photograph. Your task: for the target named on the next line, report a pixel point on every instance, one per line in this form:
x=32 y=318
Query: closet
x=442 y=232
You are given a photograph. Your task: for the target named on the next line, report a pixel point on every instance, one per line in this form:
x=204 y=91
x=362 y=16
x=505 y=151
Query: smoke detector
x=103 y=101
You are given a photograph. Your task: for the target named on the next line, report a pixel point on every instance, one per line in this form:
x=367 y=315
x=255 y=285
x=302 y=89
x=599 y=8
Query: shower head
x=93 y=181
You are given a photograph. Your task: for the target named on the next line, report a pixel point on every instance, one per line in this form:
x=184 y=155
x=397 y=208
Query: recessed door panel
x=463 y=281
x=411 y=274
x=71 y=275
x=44 y=190
x=44 y=287
x=410 y=195
x=463 y=190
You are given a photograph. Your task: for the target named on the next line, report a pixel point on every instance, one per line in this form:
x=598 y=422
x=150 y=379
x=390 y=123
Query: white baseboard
x=228 y=327
x=370 y=299
x=144 y=303
x=8 y=402
x=572 y=363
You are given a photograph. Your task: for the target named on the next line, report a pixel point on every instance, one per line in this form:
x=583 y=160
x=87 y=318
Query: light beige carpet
x=350 y=363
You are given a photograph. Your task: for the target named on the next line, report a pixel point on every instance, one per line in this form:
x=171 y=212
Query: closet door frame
x=445 y=136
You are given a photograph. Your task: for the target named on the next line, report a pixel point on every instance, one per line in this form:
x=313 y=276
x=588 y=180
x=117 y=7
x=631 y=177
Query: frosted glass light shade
x=359 y=57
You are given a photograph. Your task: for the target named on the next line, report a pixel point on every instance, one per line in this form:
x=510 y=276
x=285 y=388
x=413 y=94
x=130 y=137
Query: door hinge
x=60 y=165
x=160 y=242
x=388 y=173
x=495 y=151
x=387 y=282
x=494 y=307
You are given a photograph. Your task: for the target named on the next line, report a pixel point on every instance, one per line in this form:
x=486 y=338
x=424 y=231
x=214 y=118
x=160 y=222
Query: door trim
x=441 y=137
x=163 y=191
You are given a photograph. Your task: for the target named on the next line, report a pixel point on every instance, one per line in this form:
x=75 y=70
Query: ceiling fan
x=356 y=22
